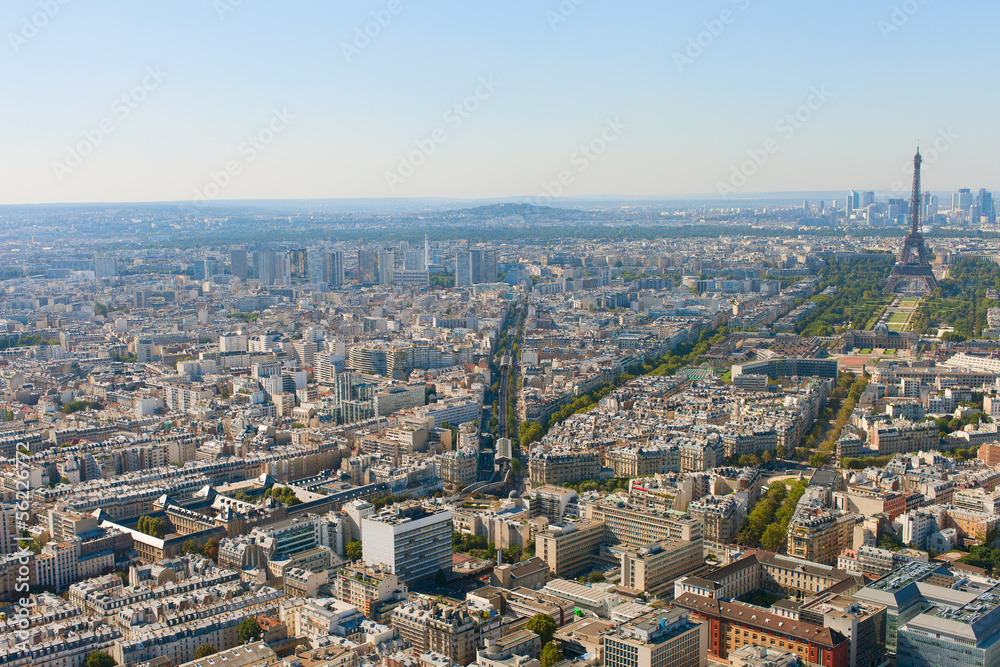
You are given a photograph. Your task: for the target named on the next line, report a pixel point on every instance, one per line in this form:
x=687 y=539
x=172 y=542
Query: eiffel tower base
x=905 y=274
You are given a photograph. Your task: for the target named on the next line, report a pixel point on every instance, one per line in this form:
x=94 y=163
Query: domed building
x=881 y=337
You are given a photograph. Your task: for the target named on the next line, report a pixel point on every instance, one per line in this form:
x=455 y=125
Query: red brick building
x=733 y=625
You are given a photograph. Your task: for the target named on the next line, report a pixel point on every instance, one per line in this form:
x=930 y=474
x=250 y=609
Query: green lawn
x=764 y=600
x=898 y=317
x=890 y=352
x=865 y=351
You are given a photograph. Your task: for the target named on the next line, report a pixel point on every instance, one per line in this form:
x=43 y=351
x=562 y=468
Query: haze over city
x=692 y=91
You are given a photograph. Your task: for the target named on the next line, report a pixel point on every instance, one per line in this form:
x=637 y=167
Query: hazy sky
x=140 y=101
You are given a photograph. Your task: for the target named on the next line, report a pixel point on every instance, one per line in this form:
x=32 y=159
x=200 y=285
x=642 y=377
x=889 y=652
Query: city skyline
x=233 y=100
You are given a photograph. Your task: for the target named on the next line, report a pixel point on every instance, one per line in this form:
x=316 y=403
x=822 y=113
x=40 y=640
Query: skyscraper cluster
x=475 y=266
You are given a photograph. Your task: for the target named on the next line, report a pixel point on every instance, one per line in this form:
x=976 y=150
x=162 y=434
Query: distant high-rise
x=463 y=269
x=273 y=267
x=367 y=267
x=143 y=350
x=105 y=267
x=238 y=262
x=335 y=274
x=386 y=267
x=414 y=260
x=867 y=199
x=299 y=264
x=204 y=269
x=898 y=210
x=475 y=266
x=961 y=201
x=985 y=201
x=283 y=266
x=317 y=266
x=326 y=267
x=489 y=266
x=266 y=267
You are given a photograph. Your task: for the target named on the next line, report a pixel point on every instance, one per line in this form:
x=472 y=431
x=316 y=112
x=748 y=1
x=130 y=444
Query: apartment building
x=446 y=629
x=720 y=518
x=819 y=535
x=903 y=436
x=763 y=571
x=550 y=501
x=411 y=540
x=733 y=625
x=861 y=622
x=660 y=638
x=563 y=465
x=624 y=524
x=570 y=548
x=373 y=590
x=655 y=567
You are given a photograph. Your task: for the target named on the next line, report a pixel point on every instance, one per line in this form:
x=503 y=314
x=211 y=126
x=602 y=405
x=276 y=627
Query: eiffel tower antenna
x=912 y=264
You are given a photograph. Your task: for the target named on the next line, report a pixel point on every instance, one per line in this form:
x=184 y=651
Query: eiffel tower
x=912 y=264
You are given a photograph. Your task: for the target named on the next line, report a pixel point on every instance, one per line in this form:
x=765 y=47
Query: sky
x=177 y=100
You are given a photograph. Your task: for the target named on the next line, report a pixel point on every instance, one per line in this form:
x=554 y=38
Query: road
x=507 y=362
x=788 y=470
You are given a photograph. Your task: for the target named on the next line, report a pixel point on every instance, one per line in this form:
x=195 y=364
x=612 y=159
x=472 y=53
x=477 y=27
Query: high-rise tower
x=912 y=264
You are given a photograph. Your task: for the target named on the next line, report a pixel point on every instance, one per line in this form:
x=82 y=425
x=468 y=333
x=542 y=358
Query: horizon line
x=515 y=199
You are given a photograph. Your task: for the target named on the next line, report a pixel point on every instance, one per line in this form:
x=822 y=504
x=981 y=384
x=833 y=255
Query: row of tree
x=283 y=494
x=154 y=526
x=545 y=627
x=960 y=300
x=77 y=406
x=209 y=550
x=602 y=485
x=388 y=499
x=665 y=365
x=858 y=298
x=767 y=525
x=829 y=444
x=26 y=340
x=479 y=547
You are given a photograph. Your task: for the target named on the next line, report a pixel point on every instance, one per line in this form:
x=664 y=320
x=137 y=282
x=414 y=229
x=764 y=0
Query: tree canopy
x=249 y=629
x=204 y=651
x=99 y=659
x=550 y=655
x=542 y=625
